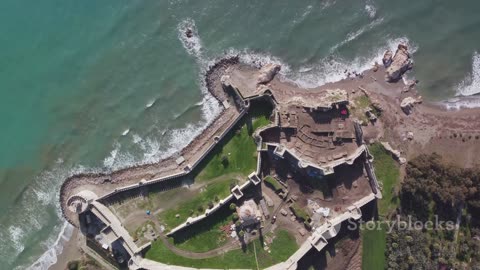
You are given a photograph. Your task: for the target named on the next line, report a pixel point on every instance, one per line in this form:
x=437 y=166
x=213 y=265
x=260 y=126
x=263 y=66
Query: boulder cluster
x=408 y=103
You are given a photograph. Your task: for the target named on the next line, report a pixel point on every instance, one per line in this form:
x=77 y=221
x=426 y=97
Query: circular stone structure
x=79 y=202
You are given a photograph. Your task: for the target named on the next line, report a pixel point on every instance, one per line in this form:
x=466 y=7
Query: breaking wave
x=50 y=257
x=471 y=84
x=25 y=219
x=171 y=141
x=332 y=69
x=353 y=35
x=370 y=9
x=468 y=90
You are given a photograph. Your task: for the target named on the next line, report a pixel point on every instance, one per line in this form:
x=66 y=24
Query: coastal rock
x=377 y=105
x=387 y=58
x=225 y=81
x=400 y=63
x=396 y=154
x=410 y=135
x=267 y=73
x=408 y=103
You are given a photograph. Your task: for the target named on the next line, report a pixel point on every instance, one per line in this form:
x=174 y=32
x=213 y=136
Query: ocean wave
x=192 y=44
x=50 y=257
x=370 y=9
x=331 y=69
x=304 y=15
x=155 y=149
x=471 y=84
x=353 y=35
x=458 y=103
x=25 y=220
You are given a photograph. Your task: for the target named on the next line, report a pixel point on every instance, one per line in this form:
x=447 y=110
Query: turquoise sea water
x=99 y=85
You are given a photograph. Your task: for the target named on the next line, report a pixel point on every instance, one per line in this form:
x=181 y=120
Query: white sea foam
x=125 y=132
x=193 y=44
x=370 y=9
x=468 y=89
x=471 y=84
x=150 y=103
x=155 y=149
x=26 y=219
x=332 y=69
x=353 y=35
x=307 y=12
x=16 y=235
x=50 y=256
x=462 y=103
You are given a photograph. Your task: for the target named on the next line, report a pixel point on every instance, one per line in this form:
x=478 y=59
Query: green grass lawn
x=206 y=234
x=196 y=205
x=283 y=246
x=237 y=152
x=388 y=173
x=373 y=249
x=273 y=183
x=299 y=212
x=240 y=152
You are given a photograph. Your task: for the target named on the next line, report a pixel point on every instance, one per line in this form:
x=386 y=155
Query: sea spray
x=50 y=256
x=471 y=84
x=353 y=35
x=177 y=139
x=370 y=9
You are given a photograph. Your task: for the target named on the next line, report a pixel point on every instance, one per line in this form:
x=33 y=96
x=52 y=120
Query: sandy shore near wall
x=71 y=251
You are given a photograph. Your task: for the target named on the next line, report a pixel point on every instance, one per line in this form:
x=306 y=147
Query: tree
x=233 y=206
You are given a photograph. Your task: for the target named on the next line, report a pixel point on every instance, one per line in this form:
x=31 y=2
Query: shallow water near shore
x=96 y=86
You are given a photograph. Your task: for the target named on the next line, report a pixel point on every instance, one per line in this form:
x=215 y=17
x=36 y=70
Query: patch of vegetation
x=388 y=173
x=362 y=104
x=206 y=234
x=237 y=151
x=273 y=183
x=196 y=205
x=282 y=247
x=441 y=194
x=373 y=251
x=299 y=212
x=85 y=263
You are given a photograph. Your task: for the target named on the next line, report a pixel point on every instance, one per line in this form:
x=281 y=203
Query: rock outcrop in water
x=400 y=63
x=267 y=73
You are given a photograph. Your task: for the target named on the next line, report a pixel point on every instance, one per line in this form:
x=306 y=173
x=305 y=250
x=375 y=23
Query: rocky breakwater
x=102 y=183
x=398 y=64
